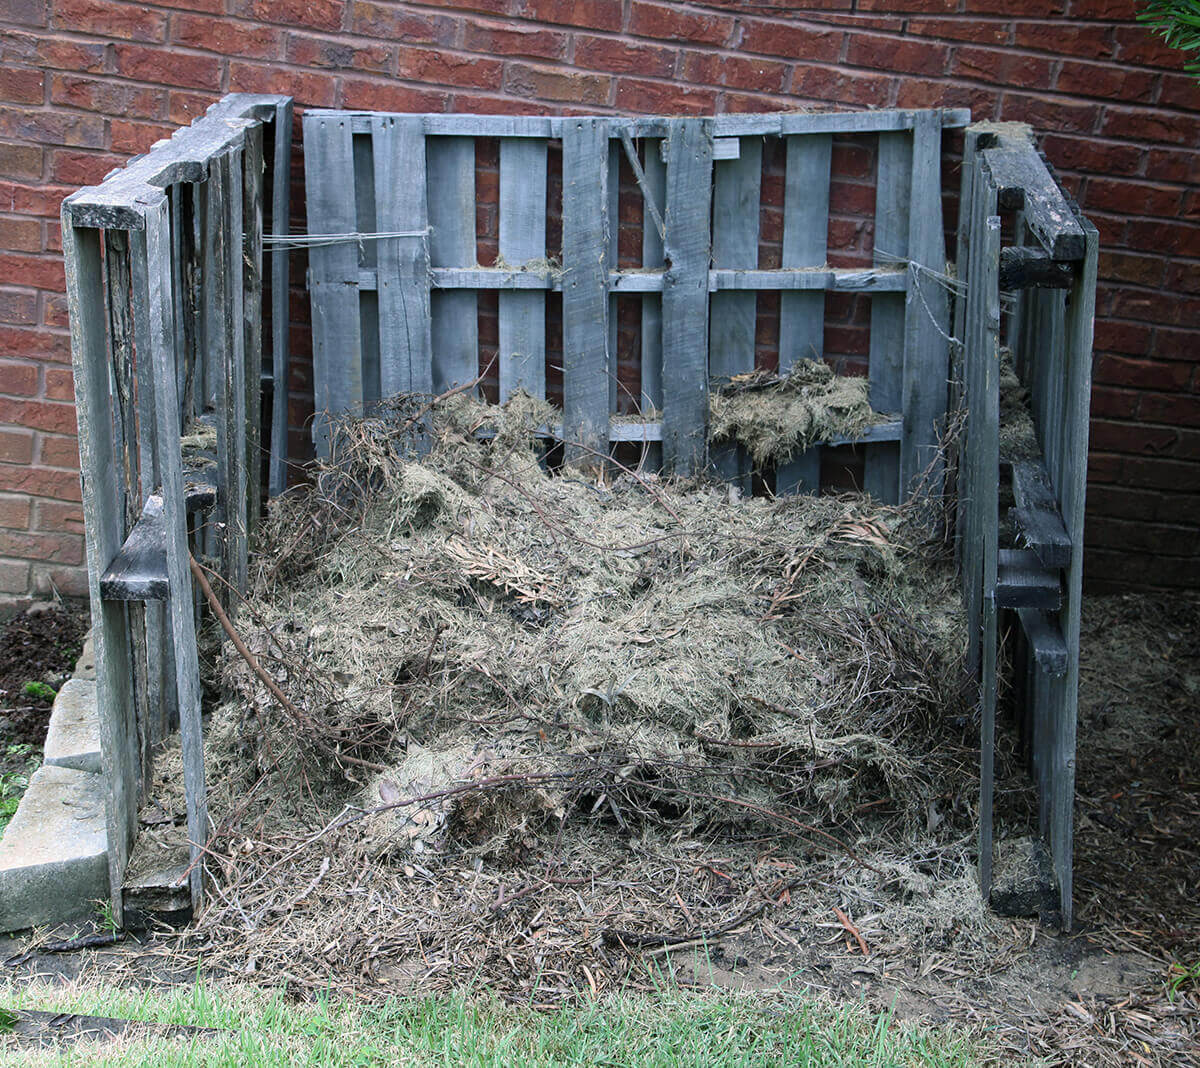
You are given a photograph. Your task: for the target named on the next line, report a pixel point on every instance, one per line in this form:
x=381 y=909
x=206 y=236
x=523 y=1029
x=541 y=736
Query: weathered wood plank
x=652 y=258
x=154 y=255
x=802 y=315
x=1037 y=516
x=450 y=194
x=893 y=195
x=333 y=271
x=613 y=211
x=1022 y=267
x=522 y=239
x=281 y=180
x=733 y=315
x=1023 y=582
x=1022 y=182
x=405 y=345
x=103 y=533
x=685 y=295
x=139 y=570
x=1046 y=643
x=252 y=308
x=585 y=251
x=926 y=370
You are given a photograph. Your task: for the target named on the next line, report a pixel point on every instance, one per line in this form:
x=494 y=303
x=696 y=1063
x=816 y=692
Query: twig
x=639 y=939
x=844 y=920
x=70 y=945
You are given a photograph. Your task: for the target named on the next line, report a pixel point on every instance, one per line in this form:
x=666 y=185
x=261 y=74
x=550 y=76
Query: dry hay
x=776 y=416
x=545 y=720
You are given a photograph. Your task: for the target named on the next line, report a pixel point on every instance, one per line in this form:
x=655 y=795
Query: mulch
x=40 y=646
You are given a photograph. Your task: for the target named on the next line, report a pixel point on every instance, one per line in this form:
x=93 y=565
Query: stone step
x=73 y=740
x=54 y=853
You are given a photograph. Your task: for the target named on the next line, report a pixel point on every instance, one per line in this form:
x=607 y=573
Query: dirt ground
x=1110 y=992
x=38 y=648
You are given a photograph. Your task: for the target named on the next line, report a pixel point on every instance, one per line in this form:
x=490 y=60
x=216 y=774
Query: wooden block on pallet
x=1022 y=581
x=1036 y=514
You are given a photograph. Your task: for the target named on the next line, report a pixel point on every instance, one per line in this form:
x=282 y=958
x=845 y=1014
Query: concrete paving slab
x=54 y=853
x=85 y=666
x=73 y=740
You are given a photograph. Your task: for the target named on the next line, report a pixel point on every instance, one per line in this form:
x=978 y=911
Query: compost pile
x=540 y=722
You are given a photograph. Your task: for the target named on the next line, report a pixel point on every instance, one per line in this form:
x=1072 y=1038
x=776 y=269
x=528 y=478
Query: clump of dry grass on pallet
x=776 y=416
x=545 y=720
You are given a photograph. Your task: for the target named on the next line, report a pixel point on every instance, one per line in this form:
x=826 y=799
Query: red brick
x=1104 y=467
x=1136 y=44
x=308 y=88
x=1103 y=80
x=758 y=75
x=173 y=68
x=21 y=235
x=108 y=98
x=53 y=238
x=26 y=12
x=14 y=512
x=212 y=7
x=612 y=55
x=51 y=52
x=313 y=14
x=638 y=97
x=1062 y=37
x=389 y=23
x=1116 y=403
x=54 y=128
x=40 y=272
x=57 y=515
x=1131 y=198
x=897 y=54
x=1088 y=154
x=1029 y=8
x=38 y=415
x=1171 y=408
x=40 y=482
x=434 y=66
x=513 y=39
x=1172 y=238
x=672 y=23
x=16 y=446
x=130 y=22
x=55 y=548
x=1130 y=267
x=1045 y=113
x=1003 y=66
x=1140 y=536
x=226 y=36
x=183 y=107
x=592 y=14
x=82 y=168
x=388 y=96
x=547 y=83
x=790 y=42
x=1180 y=91
x=926 y=93
x=335 y=54
x=18 y=306
x=1148 y=125
x=54 y=451
x=833 y=85
x=136 y=137
x=1173 y=165
x=1142 y=374
x=981 y=31
x=22 y=86
x=1177 y=344
x=20 y=161
x=1131 y=339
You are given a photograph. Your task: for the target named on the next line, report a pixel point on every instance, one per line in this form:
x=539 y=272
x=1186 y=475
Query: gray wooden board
x=333 y=269
x=155 y=284
x=281 y=179
x=117 y=202
x=450 y=194
x=406 y=361
x=613 y=214
x=522 y=238
x=1023 y=582
x=685 y=295
x=103 y=534
x=232 y=427
x=652 y=257
x=1022 y=181
x=1046 y=643
x=926 y=369
x=881 y=469
x=252 y=308
x=727 y=125
x=1037 y=515
x=585 y=250
x=733 y=315
x=138 y=572
x=802 y=314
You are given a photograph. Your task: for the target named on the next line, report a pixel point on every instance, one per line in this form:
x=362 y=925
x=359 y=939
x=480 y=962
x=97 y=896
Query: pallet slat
x=522 y=239
x=1037 y=516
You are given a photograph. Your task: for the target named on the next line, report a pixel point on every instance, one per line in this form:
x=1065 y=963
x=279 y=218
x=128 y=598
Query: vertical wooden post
x=450 y=194
x=281 y=180
x=522 y=239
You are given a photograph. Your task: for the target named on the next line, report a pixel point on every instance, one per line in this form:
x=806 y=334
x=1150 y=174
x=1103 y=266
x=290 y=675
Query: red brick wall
x=85 y=83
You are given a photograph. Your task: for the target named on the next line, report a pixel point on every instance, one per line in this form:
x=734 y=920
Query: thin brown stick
x=844 y=920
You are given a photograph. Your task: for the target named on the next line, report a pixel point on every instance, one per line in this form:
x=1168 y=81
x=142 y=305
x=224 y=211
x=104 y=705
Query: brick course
x=86 y=83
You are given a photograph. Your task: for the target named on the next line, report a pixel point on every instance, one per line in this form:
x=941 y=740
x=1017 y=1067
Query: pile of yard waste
x=539 y=723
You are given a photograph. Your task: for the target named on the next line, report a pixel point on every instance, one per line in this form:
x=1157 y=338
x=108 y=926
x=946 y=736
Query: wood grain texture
x=522 y=239
x=281 y=180
x=450 y=195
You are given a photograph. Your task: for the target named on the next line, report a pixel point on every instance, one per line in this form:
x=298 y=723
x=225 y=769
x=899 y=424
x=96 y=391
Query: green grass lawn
x=670 y=1028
